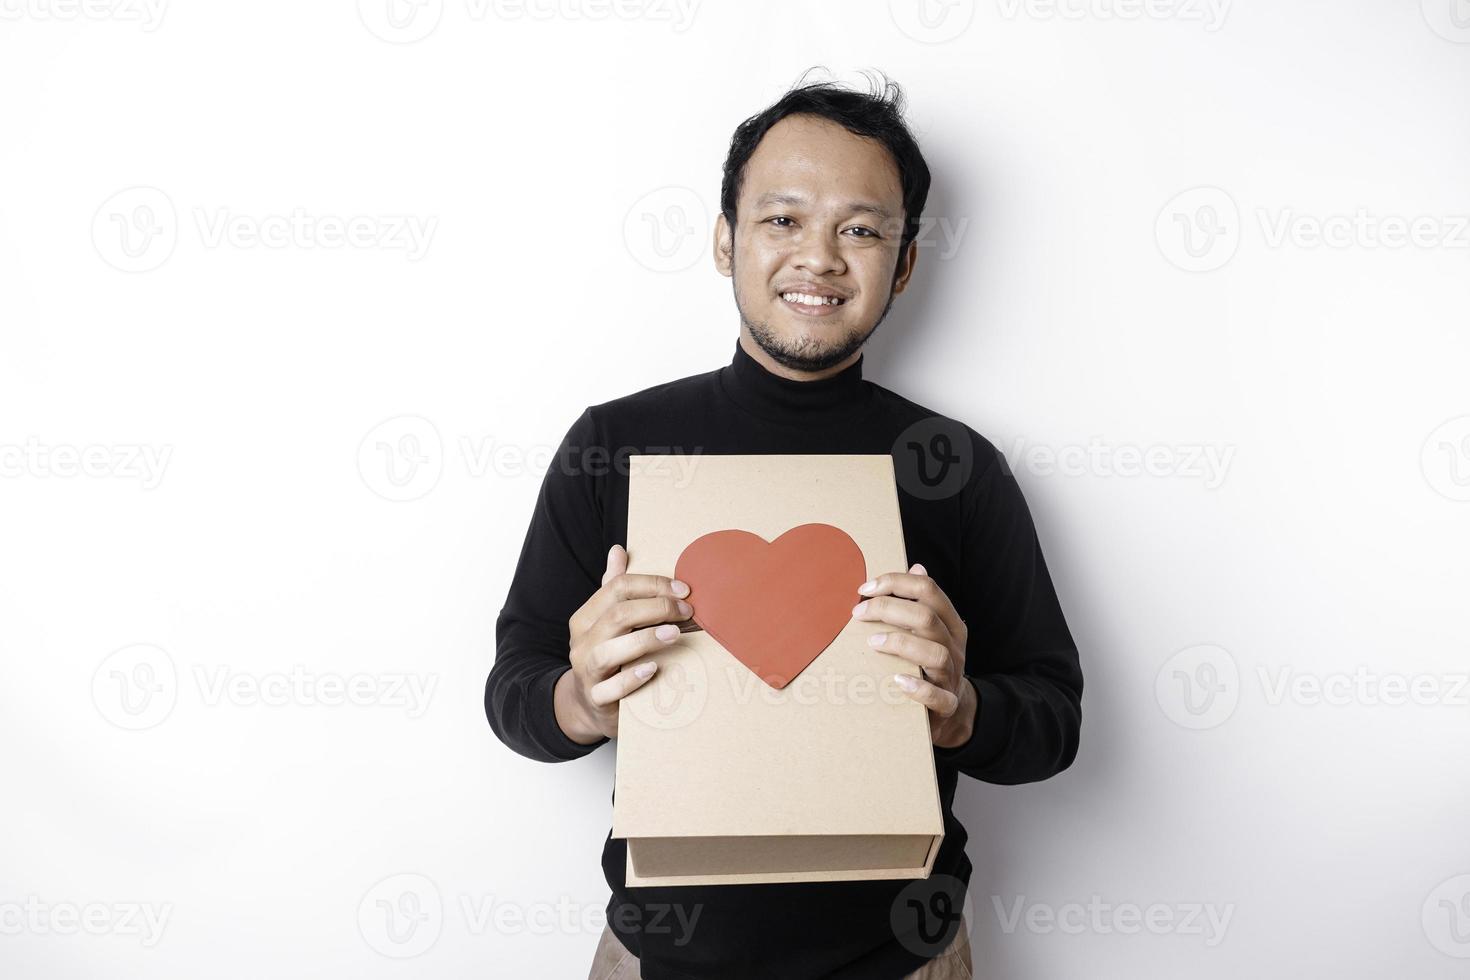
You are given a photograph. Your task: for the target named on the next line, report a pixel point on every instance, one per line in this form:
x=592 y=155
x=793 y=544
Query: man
x=821 y=201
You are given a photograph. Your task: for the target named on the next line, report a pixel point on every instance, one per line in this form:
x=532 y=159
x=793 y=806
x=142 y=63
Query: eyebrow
x=797 y=200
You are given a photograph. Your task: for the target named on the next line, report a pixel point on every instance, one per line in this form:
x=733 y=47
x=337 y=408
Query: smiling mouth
x=808 y=305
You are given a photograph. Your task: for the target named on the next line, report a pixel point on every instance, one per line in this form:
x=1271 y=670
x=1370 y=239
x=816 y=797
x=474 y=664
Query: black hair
x=876 y=115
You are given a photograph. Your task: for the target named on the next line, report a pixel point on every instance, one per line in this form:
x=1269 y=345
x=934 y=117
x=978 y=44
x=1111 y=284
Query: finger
x=630 y=614
x=621 y=684
x=941 y=702
x=636 y=586
x=916 y=584
x=930 y=656
x=904 y=613
x=617 y=563
x=614 y=564
x=622 y=587
x=610 y=655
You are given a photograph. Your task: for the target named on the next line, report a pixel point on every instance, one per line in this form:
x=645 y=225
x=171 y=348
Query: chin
x=806 y=348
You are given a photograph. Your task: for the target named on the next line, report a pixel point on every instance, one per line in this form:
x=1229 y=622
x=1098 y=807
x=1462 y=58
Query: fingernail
x=906 y=682
x=919 y=570
x=667 y=631
x=877 y=639
x=644 y=670
x=868 y=586
x=685 y=609
x=680 y=588
x=859 y=609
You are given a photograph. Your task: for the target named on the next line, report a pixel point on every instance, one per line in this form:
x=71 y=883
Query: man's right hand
x=629 y=617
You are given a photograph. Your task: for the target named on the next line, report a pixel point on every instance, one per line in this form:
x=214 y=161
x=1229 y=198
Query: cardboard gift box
x=739 y=761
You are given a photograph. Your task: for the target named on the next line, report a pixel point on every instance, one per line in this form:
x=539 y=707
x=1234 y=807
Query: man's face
x=820 y=212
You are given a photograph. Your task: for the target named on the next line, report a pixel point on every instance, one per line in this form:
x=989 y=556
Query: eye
x=868 y=232
x=779 y=217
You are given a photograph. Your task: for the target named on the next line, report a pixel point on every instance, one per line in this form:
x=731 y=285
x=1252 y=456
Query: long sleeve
x=1021 y=657
x=560 y=566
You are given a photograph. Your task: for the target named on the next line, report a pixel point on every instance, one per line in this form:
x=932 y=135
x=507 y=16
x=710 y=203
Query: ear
x=907 y=262
x=724 y=247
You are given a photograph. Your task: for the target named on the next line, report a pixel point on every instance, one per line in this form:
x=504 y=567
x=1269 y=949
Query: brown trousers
x=613 y=962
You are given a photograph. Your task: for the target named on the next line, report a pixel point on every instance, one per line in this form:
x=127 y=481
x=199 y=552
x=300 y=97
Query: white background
x=346 y=440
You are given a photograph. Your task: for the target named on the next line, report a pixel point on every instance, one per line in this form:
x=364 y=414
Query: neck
x=837 y=395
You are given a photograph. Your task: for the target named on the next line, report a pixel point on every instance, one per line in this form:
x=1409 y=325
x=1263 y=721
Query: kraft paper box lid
x=709 y=754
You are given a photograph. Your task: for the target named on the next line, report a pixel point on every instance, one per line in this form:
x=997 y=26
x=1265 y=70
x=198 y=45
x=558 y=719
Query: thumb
x=617 y=563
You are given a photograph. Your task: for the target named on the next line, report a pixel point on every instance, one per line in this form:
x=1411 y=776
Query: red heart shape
x=773 y=605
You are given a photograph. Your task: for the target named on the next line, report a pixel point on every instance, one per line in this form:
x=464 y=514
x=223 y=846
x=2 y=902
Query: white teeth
x=808 y=300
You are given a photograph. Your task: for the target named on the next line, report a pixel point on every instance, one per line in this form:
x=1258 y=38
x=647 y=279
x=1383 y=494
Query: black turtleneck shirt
x=964 y=519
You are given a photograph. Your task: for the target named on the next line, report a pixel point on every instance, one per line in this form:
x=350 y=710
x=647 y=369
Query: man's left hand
x=930 y=634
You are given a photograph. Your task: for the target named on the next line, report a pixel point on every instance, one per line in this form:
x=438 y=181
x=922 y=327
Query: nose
x=817 y=254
